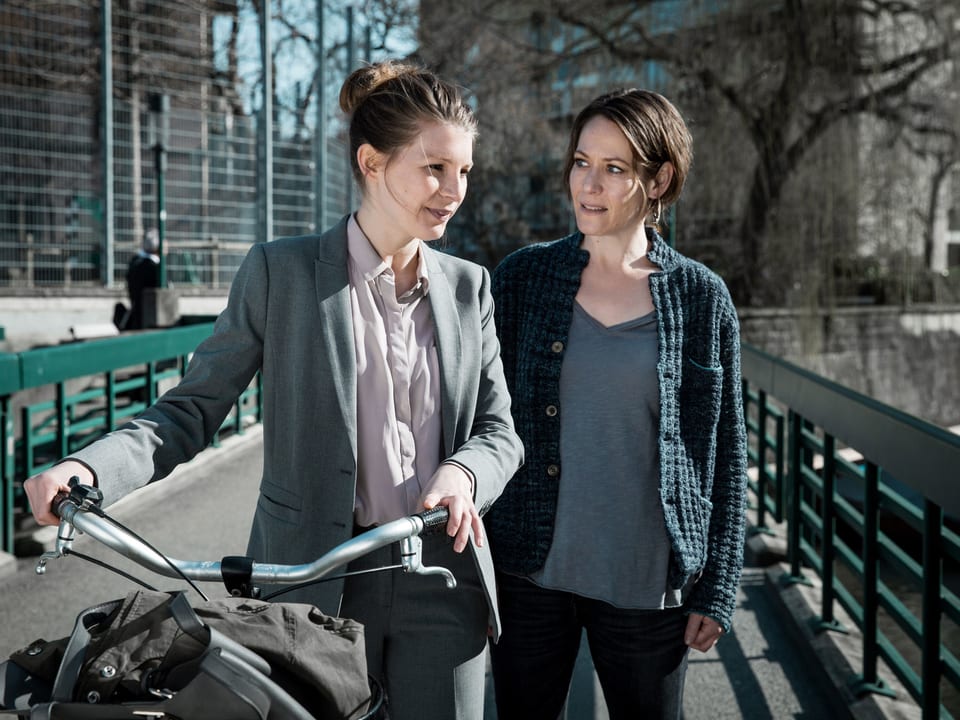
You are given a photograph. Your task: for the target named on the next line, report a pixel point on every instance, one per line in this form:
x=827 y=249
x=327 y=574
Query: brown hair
x=653 y=127
x=387 y=103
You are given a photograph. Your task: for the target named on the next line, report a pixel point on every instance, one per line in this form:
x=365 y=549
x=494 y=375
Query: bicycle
x=211 y=674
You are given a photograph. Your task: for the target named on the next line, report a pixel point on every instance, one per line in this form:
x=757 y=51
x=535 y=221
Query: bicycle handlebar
x=435 y=517
x=78 y=512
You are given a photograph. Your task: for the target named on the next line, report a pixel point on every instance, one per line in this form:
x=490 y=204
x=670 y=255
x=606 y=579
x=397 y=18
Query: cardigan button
x=553 y=470
x=556 y=346
x=551 y=410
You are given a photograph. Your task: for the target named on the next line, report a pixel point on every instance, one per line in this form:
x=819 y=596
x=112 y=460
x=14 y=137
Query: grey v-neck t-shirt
x=610 y=542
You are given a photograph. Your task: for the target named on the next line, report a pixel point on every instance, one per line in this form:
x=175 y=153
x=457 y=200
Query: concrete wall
x=905 y=357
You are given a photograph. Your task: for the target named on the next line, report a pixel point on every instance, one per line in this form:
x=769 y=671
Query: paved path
x=203 y=511
x=754 y=673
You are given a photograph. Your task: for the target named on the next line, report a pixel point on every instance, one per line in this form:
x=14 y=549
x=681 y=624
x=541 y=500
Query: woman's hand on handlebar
x=452 y=487
x=43 y=487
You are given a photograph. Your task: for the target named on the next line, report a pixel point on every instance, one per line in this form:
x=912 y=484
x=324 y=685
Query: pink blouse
x=398 y=385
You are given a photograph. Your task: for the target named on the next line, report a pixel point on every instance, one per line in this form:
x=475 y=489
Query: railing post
x=826 y=621
x=151 y=380
x=26 y=433
x=761 y=458
x=796 y=480
x=931 y=665
x=63 y=431
x=795 y=512
x=6 y=473
x=781 y=490
x=869 y=681
x=111 y=400
x=871 y=604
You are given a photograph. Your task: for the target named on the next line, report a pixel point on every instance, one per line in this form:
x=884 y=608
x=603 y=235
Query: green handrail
x=131 y=366
x=916 y=452
x=869 y=487
x=9 y=384
x=804 y=476
x=75 y=360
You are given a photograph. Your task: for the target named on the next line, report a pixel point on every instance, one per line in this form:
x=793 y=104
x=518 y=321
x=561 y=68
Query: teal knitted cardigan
x=702 y=438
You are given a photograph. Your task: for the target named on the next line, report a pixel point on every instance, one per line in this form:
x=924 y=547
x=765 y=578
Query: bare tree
x=788 y=72
x=814 y=63
x=383 y=27
x=501 y=52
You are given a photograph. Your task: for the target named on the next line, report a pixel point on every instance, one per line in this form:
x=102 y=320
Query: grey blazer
x=289 y=314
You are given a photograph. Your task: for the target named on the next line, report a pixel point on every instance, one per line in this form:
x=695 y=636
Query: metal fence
x=867 y=495
x=58 y=399
x=77 y=192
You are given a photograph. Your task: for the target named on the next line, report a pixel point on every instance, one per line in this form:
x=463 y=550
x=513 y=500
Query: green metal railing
x=868 y=495
x=82 y=391
x=866 y=491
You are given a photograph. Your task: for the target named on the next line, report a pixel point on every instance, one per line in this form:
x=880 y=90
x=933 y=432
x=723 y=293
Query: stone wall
x=905 y=357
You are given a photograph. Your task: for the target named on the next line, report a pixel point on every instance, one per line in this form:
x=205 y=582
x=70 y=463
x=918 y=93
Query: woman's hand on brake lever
x=43 y=487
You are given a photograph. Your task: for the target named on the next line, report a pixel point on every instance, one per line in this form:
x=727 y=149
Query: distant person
x=143 y=272
x=383 y=396
x=622 y=358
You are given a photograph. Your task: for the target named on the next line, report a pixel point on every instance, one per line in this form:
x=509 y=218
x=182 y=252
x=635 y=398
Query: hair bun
x=364 y=82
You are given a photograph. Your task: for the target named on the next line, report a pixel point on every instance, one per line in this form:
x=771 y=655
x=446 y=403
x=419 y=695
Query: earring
x=658 y=212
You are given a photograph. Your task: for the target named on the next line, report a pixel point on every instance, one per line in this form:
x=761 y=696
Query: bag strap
x=73 y=654
x=187 y=619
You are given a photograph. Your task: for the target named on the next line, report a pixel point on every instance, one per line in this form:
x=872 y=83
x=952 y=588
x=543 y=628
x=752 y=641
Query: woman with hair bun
x=383 y=396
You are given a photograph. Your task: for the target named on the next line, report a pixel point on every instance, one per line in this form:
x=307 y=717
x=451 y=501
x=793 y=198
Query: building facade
x=78 y=193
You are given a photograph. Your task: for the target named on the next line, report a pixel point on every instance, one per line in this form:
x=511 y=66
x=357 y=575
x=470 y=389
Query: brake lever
x=66 y=533
x=411 y=557
x=80 y=497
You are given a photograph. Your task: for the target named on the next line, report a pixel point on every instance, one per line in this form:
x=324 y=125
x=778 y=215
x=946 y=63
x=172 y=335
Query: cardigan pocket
x=701 y=392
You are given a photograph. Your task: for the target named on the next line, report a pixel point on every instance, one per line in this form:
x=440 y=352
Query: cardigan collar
x=660 y=253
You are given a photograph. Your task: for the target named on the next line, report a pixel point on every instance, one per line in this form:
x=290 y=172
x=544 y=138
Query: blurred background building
x=77 y=192
x=826 y=177
x=826 y=137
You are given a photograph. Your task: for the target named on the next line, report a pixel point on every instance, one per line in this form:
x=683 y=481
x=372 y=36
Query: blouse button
x=551 y=410
x=553 y=470
x=557 y=346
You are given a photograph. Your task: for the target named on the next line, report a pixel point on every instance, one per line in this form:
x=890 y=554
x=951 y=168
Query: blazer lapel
x=446 y=322
x=336 y=323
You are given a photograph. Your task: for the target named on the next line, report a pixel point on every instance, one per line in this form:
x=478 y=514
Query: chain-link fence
x=77 y=193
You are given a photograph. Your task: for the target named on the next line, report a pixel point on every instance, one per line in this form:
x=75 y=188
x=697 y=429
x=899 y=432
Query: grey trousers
x=425 y=643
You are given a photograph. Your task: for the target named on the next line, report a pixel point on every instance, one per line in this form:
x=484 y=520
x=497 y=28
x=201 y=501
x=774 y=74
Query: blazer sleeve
x=493 y=451
x=184 y=420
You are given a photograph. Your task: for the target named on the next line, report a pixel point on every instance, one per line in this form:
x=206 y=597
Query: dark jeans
x=639 y=655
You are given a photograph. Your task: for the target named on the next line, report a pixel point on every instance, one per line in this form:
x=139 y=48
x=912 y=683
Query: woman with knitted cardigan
x=622 y=357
